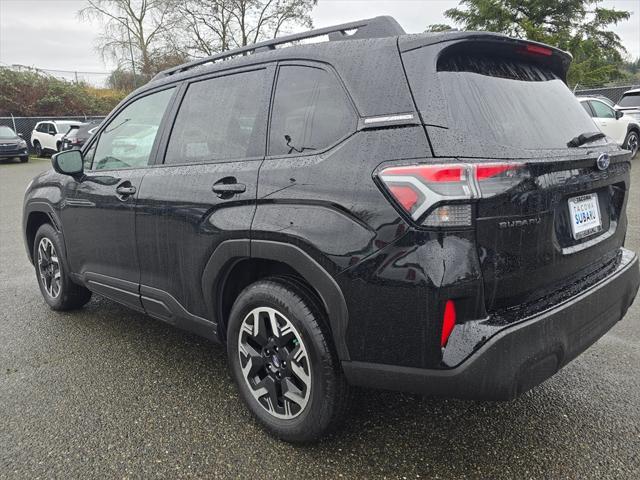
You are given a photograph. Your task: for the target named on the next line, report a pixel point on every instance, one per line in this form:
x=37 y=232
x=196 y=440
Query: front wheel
x=632 y=142
x=283 y=362
x=24 y=159
x=38 y=149
x=56 y=286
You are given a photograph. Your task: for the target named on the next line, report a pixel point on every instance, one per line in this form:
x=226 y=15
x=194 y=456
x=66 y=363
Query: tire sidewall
x=38 y=148
x=316 y=414
x=48 y=231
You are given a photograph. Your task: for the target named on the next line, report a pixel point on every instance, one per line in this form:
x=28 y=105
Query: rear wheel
x=55 y=284
x=632 y=142
x=283 y=363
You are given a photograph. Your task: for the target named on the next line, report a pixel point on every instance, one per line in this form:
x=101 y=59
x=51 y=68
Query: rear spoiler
x=556 y=59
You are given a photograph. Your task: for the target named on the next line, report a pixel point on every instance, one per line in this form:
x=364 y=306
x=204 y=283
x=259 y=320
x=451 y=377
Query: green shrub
x=30 y=93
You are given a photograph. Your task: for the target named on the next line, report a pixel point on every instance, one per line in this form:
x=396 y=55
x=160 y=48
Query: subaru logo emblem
x=603 y=161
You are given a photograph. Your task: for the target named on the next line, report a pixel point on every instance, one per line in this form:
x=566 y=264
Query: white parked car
x=47 y=135
x=629 y=103
x=622 y=128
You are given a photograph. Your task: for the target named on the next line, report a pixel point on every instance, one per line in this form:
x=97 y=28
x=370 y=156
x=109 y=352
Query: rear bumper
x=520 y=356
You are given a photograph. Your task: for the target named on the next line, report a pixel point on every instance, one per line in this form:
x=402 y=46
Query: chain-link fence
x=613 y=93
x=25 y=125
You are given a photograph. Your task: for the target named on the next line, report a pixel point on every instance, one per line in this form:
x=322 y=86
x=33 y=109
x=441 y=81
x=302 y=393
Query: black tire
x=632 y=142
x=24 y=159
x=67 y=295
x=38 y=149
x=329 y=395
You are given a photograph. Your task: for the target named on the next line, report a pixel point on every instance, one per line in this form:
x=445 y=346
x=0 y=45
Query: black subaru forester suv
x=431 y=213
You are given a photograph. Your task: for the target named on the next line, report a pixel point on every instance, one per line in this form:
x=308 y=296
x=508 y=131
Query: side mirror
x=68 y=162
x=619 y=114
x=20 y=135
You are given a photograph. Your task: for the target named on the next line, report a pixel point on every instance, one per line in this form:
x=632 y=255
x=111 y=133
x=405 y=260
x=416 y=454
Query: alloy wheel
x=274 y=361
x=633 y=143
x=49 y=267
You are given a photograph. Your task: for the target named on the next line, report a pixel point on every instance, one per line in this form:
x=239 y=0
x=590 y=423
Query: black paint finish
x=172 y=248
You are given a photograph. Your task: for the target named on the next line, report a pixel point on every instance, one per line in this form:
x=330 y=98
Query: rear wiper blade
x=585 y=138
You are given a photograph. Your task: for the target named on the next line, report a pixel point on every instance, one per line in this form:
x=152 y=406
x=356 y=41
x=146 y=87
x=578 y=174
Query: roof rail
x=376 y=27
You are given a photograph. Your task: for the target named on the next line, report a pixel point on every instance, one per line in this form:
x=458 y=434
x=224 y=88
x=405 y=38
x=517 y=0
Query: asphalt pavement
x=105 y=392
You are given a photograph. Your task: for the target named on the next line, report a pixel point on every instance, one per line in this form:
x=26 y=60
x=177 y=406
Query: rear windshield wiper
x=585 y=138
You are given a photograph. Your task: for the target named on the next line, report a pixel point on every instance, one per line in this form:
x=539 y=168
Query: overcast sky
x=47 y=33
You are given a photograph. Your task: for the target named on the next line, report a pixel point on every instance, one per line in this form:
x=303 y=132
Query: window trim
x=263 y=114
x=107 y=121
x=589 y=110
x=331 y=71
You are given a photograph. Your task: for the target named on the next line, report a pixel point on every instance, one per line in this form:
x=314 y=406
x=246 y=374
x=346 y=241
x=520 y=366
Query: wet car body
x=528 y=293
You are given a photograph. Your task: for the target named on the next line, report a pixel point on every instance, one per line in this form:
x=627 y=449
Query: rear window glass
x=72 y=133
x=510 y=101
x=630 y=100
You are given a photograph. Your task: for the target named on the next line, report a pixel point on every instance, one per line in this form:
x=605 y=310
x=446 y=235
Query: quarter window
x=218 y=119
x=311 y=111
x=127 y=140
x=601 y=110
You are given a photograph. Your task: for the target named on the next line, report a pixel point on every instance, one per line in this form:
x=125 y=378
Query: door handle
x=227 y=187
x=126 y=189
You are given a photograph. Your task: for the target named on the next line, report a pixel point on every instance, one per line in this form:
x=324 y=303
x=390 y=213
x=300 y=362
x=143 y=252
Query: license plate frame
x=584 y=215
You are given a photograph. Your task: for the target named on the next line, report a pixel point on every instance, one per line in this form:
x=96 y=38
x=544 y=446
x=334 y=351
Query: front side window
x=217 y=119
x=311 y=111
x=127 y=141
x=601 y=110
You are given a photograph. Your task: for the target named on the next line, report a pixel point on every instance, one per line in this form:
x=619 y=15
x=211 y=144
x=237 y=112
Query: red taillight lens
x=405 y=195
x=448 y=322
x=418 y=188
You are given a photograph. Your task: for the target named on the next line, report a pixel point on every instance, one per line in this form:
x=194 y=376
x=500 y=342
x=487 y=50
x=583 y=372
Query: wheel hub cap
x=274 y=361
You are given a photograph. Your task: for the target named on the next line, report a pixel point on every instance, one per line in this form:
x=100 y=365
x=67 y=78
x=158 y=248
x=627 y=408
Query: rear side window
x=311 y=111
x=217 y=119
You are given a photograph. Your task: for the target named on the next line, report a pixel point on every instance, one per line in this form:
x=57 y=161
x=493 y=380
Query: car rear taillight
x=533 y=49
x=438 y=195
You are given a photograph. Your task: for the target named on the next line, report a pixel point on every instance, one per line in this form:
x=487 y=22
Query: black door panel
x=205 y=193
x=99 y=224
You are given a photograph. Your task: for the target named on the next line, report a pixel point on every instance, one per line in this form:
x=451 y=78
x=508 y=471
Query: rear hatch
x=557 y=218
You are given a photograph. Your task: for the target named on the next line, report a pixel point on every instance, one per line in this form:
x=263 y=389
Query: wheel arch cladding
x=36 y=215
x=230 y=252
